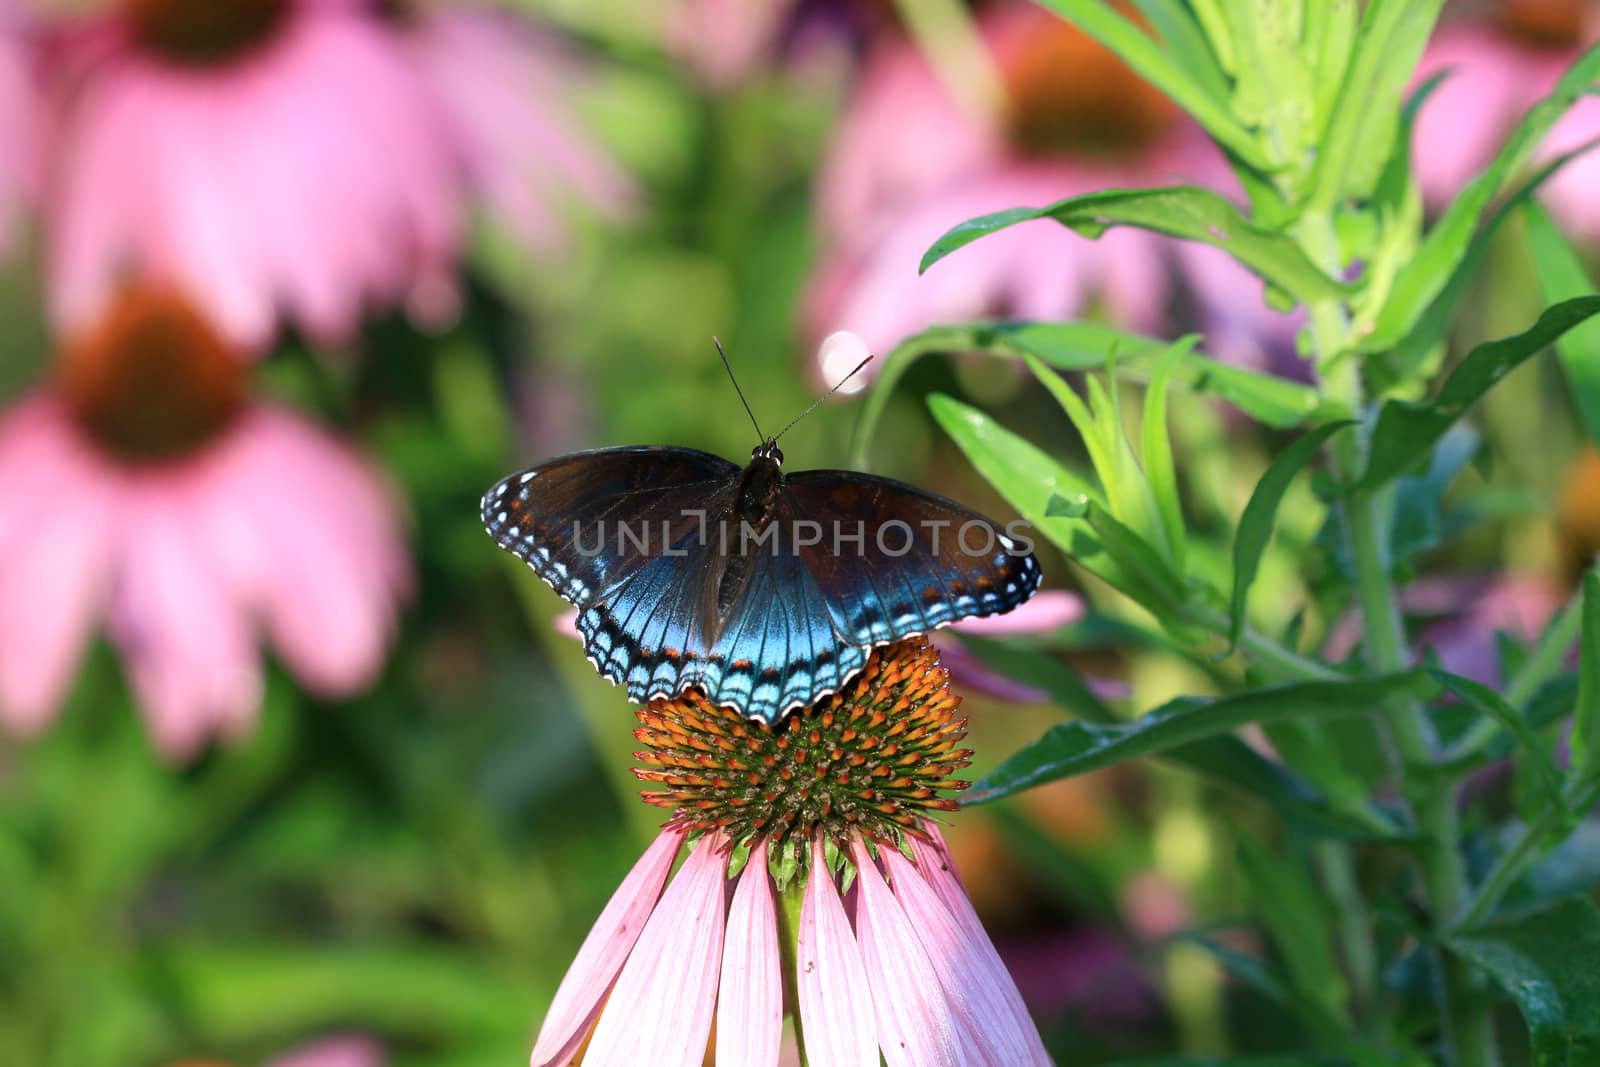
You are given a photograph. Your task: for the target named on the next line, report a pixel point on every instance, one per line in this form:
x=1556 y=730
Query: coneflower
x=838 y=796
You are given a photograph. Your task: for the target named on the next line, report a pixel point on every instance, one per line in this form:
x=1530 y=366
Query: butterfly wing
x=589 y=522
x=894 y=560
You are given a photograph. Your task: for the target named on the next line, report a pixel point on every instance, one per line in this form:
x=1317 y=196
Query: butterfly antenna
x=736 y=388
x=824 y=396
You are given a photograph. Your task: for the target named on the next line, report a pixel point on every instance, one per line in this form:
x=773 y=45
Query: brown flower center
x=1550 y=23
x=153 y=380
x=205 y=32
x=871 y=759
x=1068 y=95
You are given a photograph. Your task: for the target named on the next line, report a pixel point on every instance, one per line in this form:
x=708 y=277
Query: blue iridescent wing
x=587 y=523
x=777 y=646
x=894 y=560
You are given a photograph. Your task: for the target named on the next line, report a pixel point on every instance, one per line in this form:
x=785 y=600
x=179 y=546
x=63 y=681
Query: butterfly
x=766 y=590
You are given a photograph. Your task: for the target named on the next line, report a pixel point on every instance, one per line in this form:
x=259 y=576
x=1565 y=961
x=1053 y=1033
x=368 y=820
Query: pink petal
x=582 y=991
x=53 y=571
x=750 y=1004
x=835 y=1000
x=981 y=993
x=349 y=1051
x=185 y=639
x=1046 y=612
x=915 y=1024
x=662 y=1006
x=936 y=867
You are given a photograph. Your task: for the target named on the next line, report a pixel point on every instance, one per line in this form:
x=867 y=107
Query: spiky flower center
x=1551 y=23
x=872 y=759
x=153 y=381
x=1069 y=95
x=205 y=32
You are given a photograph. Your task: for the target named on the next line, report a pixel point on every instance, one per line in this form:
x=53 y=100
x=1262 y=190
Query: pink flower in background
x=1499 y=67
x=1047 y=612
x=502 y=84
x=299 y=162
x=912 y=975
x=350 y=1051
x=145 y=488
x=19 y=123
x=908 y=162
x=726 y=41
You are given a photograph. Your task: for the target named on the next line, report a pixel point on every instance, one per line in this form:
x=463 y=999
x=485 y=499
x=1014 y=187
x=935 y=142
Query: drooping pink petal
x=750 y=996
x=54 y=564
x=21 y=113
x=578 y=999
x=916 y=1027
x=661 y=1008
x=347 y=1051
x=835 y=1001
x=185 y=641
x=939 y=872
x=980 y=995
x=1046 y=612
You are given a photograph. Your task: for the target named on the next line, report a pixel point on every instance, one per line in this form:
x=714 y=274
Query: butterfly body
x=765 y=590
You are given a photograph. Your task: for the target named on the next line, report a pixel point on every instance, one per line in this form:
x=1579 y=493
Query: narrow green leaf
x=1224 y=760
x=1146 y=576
x=1546 y=962
x=1406 y=430
x=1179 y=211
x=1291 y=909
x=1120 y=34
x=1273 y=91
x=1406 y=355
x=1331 y=28
x=1156 y=446
x=1079 y=346
x=1562 y=276
x=1586 y=720
x=1487 y=702
x=1431 y=268
x=1186 y=42
x=1075 y=748
x=1028 y=479
x=1260 y=515
x=1366 y=112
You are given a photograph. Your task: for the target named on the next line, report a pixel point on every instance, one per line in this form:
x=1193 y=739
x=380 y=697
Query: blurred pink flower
x=1498 y=68
x=349 y=1051
x=726 y=41
x=913 y=977
x=908 y=162
x=502 y=83
x=302 y=160
x=19 y=122
x=145 y=487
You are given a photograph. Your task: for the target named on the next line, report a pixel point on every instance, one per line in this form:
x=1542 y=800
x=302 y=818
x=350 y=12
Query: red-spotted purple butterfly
x=763 y=589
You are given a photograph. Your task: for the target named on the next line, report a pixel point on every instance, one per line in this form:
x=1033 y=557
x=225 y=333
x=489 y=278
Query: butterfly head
x=768 y=450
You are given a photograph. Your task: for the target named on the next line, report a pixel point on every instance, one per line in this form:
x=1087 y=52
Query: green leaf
x=1260 y=514
x=1028 y=479
x=1546 y=962
x=1274 y=89
x=1290 y=908
x=1071 y=749
x=1364 y=118
x=1156 y=451
x=1120 y=34
x=1561 y=276
x=1185 y=41
x=1146 y=576
x=1487 y=702
x=1406 y=430
x=1078 y=346
x=1224 y=760
x=1418 y=507
x=1180 y=211
x=1411 y=351
x=1586 y=719
x=1431 y=268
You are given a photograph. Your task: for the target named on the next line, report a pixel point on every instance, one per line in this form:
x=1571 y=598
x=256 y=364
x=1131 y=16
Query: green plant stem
x=1271 y=655
x=1535 y=839
x=1336 y=868
x=1467 y=1028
